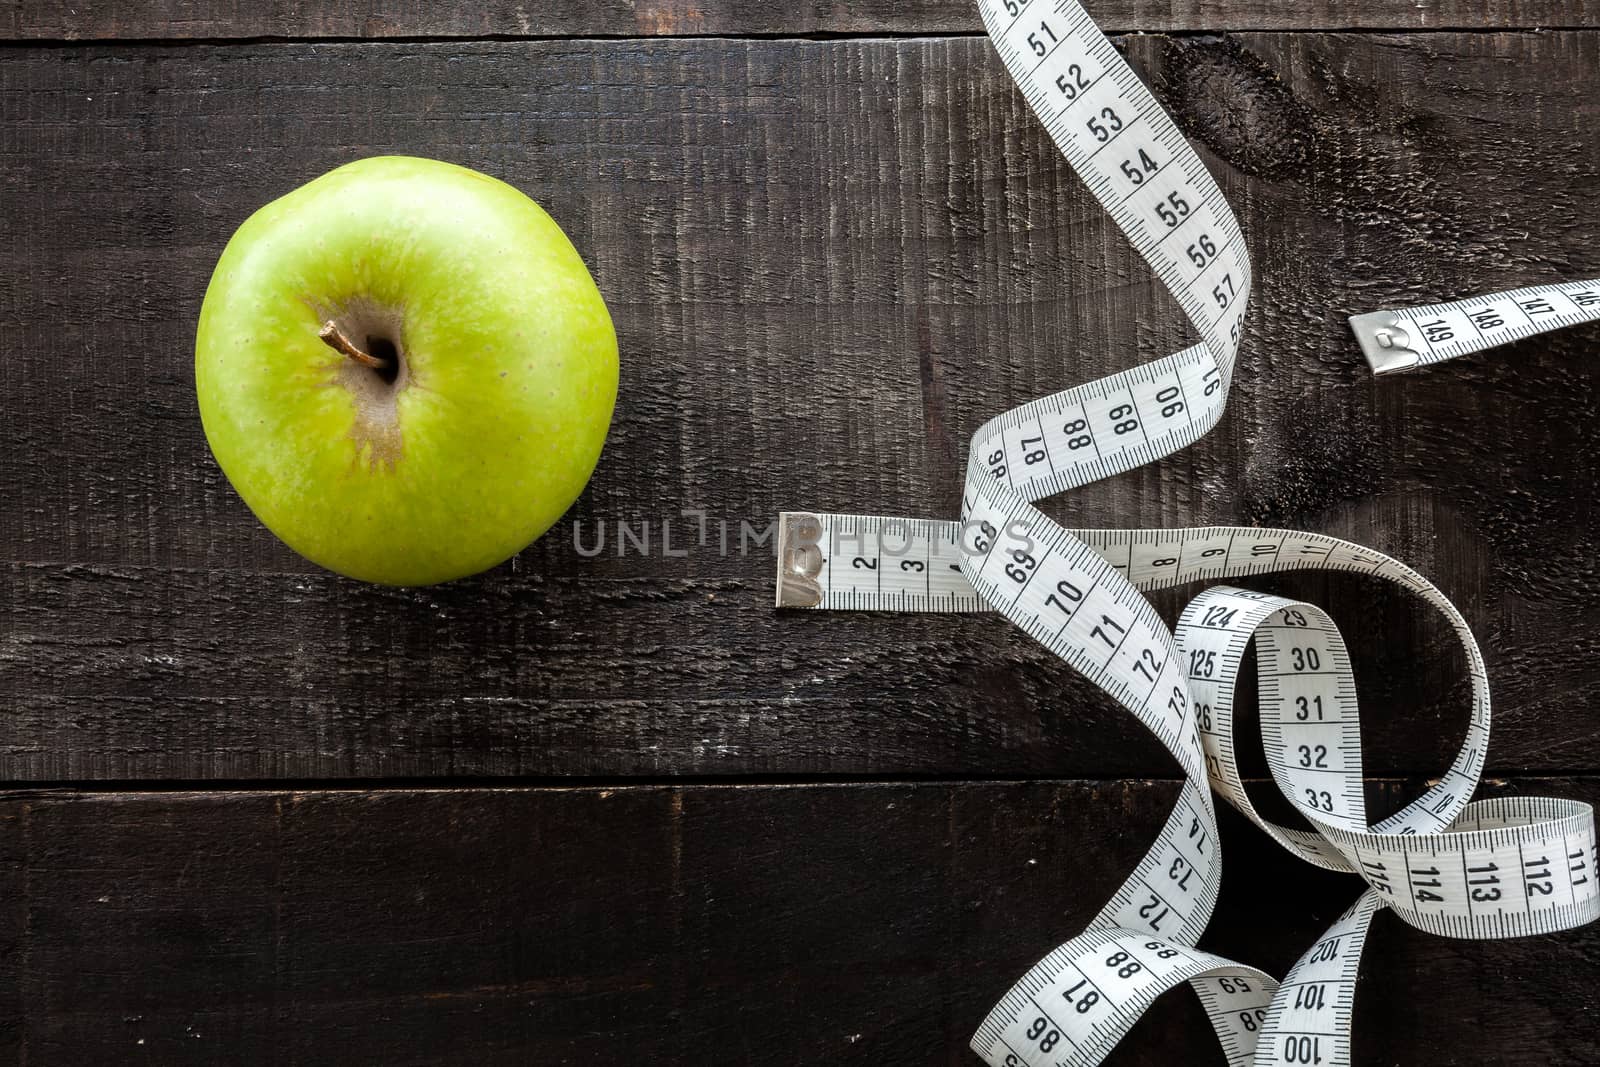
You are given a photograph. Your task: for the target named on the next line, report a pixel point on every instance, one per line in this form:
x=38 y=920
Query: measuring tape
x=1399 y=340
x=1485 y=869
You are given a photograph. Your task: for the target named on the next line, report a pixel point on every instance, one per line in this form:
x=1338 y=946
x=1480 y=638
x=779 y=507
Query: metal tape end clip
x=1384 y=342
x=799 y=559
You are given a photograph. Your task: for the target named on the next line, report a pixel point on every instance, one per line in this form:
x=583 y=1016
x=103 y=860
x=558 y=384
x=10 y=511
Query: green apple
x=405 y=370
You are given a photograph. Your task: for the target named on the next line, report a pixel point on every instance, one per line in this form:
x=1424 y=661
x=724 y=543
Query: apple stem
x=334 y=338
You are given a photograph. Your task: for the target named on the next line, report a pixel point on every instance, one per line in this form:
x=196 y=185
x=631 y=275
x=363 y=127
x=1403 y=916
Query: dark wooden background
x=618 y=810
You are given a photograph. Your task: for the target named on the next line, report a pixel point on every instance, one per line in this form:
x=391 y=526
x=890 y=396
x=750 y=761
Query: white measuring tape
x=1493 y=868
x=1399 y=340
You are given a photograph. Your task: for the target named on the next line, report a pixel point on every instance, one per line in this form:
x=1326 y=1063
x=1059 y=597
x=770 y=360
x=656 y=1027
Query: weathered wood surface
x=812 y=250
x=865 y=924
x=213 y=19
x=809 y=247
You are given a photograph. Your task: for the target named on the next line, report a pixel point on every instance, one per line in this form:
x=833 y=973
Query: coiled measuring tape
x=1486 y=869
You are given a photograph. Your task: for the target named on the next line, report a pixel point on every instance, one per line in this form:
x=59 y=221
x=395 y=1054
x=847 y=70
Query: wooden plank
x=144 y=674
x=814 y=251
x=223 y=19
x=679 y=925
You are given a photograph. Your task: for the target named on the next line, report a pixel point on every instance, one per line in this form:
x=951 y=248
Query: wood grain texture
x=861 y=924
x=225 y=19
x=143 y=673
x=829 y=262
x=811 y=247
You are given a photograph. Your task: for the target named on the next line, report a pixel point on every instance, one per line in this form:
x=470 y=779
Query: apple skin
x=500 y=408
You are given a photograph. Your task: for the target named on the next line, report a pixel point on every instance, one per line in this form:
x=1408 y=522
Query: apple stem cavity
x=335 y=339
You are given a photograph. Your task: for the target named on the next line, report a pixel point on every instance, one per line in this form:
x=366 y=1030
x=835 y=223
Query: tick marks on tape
x=882 y=563
x=1445 y=864
x=1400 y=340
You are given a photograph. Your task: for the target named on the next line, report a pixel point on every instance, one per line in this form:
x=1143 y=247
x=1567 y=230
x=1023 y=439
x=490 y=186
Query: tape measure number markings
x=1400 y=340
x=1489 y=869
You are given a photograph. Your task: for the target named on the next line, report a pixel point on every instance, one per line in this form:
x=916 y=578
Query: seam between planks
x=775 y=38
x=514 y=784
